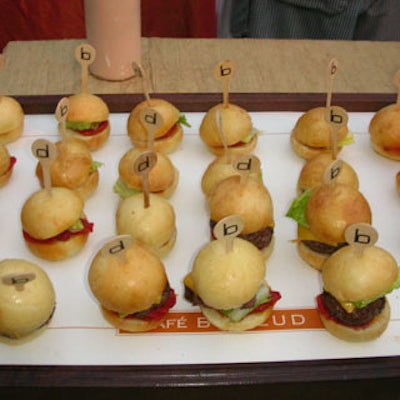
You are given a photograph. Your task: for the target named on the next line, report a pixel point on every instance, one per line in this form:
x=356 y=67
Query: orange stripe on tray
x=195 y=322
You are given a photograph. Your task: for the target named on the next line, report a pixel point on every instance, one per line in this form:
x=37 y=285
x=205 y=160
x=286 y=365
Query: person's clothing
x=315 y=19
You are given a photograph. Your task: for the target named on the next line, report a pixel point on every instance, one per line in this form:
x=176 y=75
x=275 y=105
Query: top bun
x=312 y=134
x=312 y=173
x=353 y=275
x=86 y=107
x=217 y=171
x=237 y=126
x=384 y=130
x=130 y=283
x=11 y=119
x=331 y=208
x=24 y=311
x=167 y=137
x=72 y=168
x=227 y=279
x=250 y=199
x=46 y=215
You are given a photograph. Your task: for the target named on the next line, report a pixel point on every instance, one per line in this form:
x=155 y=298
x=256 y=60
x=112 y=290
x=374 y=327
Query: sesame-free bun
x=311 y=134
x=312 y=173
x=5 y=165
x=164 y=143
x=72 y=169
x=28 y=311
x=153 y=225
x=352 y=275
x=163 y=177
x=384 y=131
x=332 y=208
x=237 y=126
x=128 y=284
x=11 y=119
x=86 y=107
x=218 y=170
x=227 y=279
x=44 y=216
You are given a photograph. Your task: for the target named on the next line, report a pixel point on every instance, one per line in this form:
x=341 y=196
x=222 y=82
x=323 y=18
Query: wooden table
x=270 y=74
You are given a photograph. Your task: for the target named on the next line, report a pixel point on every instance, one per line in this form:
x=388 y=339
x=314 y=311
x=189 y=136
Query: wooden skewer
x=139 y=71
x=85 y=54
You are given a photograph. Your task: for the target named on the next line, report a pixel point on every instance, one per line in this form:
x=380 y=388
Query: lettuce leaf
x=183 y=121
x=79 y=126
x=297 y=209
x=95 y=165
x=124 y=191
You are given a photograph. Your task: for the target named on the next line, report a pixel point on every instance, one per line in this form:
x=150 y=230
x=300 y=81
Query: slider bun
x=227 y=279
x=312 y=134
x=384 y=130
x=71 y=169
x=138 y=134
x=312 y=173
x=312 y=258
x=163 y=177
x=372 y=331
x=217 y=171
x=46 y=215
x=11 y=119
x=5 y=170
x=153 y=225
x=130 y=283
x=26 y=311
x=237 y=125
x=222 y=322
x=351 y=275
x=332 y=208
x=249 y=199
x=85 y=107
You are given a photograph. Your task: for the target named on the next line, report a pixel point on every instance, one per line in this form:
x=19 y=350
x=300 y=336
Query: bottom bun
x=223 y=323
x=13 y=135
x=392 y=155
x=350 y=334
x=164 y=145
x=93 y=142
x=244 y=148
x=305 y=151
x=58 y=250
x=267 y=251
x=5 y=177
x=163 y=250
x=129 y=324
x=312 y=258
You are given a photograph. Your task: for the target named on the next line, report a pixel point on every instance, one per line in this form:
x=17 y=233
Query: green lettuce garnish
x=349 y=139
x=95 y=165
x=395 y=285
x=183 y=121
x=77 y=226
x=124 y=191
x=236 y=314
x=78 y=126
x=297 y=209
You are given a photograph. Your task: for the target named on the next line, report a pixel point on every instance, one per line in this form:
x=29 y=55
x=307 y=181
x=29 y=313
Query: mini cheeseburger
x=27 y=299
x=322 y=215
x=153 y=225
x=7 y=163
x=311 y=134
x=163 y=177
x=168 y=136
x=353 y=305
x=229 y=286
x=312 y=172
x=54 y=224
x=73 y=168
x=87 y=120
x=11 y=119
x=132 y=288
x=240 y=135
x=250 y=199
x=384 y=131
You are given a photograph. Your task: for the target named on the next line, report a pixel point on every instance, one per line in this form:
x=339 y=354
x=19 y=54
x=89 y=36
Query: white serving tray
x=78 y=335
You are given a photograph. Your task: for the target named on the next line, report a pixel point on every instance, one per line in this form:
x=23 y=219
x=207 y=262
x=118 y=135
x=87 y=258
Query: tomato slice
x=91 y=132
